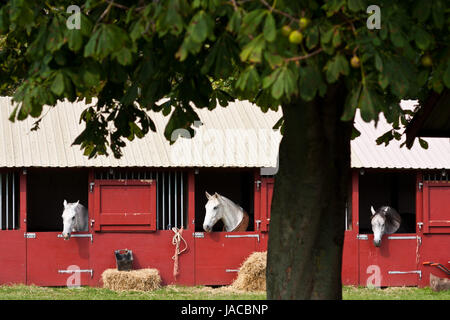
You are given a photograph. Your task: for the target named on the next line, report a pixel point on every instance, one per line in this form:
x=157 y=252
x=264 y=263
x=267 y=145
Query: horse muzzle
x=207 y=228
x=377 y=243
x=66 y=236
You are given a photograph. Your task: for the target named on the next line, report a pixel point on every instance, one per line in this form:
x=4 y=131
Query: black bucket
x=124 y=259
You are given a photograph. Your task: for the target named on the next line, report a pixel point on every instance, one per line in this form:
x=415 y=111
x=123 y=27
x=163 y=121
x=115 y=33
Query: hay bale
x=252 y=273
x=140 y=280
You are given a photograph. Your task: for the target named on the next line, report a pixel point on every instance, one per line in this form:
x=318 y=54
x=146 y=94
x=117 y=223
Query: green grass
x=23 y=292
x=394 y=293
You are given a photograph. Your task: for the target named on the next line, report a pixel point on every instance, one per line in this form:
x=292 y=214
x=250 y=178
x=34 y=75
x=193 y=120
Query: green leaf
x=397 y=36
x=438 y=11
x=58 y=84
x=269 y=29
x=336 y=66
x=234 y=24
x=108 y=39
x=422 y=10
x=138 y=29
x=198 y=27
x=74 y=39
x=378 y=62
x=368 y=104
x=123 y=56
x=336 y=38
x=385 y=138
x=355 y=133
x=284 y=84
x=248 y=80
x=252 y=20
x=422 y=38
x=351 y=103
x=270 y=79
x=311 y=82
x=312 y=37
x=252 y=51
x=278 y=124
x=327 y=35
x=423 y=143
x=422 y=78
x=356 y=5
x=85 y=25
x=55 y=37
x=4 y=20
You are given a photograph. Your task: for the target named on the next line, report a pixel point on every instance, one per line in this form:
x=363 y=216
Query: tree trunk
x=308 y=208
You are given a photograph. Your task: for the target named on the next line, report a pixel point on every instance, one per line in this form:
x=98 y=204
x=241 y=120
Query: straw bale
x=252 y=273
x=140 y=280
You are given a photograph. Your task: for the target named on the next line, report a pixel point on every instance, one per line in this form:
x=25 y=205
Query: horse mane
x=79 y=211
x=225 y=199
x=391 y=216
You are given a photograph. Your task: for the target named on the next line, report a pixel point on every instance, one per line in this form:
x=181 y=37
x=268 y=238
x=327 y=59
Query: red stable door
x=53 y=261
x=435 y=229
x=219 y=255
x=395 y=263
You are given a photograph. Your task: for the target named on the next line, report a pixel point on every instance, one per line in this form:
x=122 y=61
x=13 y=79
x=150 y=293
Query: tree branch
x=117 y=5
x=287 y=15
x=299 y=58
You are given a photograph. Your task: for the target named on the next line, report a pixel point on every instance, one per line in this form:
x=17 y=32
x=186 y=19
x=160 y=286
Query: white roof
x=237 y=136
x=365 y=153
x=240 y=135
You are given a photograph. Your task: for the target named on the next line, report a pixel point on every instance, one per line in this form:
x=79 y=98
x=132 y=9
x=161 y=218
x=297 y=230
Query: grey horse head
x=385 y=220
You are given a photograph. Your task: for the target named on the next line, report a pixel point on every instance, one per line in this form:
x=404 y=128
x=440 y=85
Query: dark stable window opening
x=236 y=185
x=394 y=189
x=9 y=201
x=46 y=191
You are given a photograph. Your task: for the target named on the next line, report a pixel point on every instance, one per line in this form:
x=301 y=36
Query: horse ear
x=65 y=203
x=77 y=202
x=372 y=210
x=207 y=195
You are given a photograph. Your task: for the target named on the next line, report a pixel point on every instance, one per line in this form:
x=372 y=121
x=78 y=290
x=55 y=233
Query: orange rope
x=176 y=242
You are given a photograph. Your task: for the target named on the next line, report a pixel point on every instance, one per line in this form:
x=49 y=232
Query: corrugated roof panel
x=367 y=154
x=240 y=135
x=50 y=146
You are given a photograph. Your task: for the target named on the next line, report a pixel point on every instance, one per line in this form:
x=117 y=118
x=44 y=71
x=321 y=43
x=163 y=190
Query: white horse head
x=75 y=218
x=384 y=220
x=221 y=208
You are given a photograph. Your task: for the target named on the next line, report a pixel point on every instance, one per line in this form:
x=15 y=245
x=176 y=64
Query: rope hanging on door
x=176 y=240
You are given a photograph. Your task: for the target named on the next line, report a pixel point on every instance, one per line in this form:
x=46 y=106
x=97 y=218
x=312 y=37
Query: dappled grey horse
x=75 y=218
x=384 y=220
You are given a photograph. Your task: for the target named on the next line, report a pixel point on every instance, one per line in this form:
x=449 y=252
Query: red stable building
x=133 y=202
x=416 y=183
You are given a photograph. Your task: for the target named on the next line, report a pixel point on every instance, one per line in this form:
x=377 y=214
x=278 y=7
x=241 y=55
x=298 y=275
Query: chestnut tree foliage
x=131 y=54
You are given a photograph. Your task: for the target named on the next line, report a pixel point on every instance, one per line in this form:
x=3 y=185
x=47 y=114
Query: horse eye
x=216 y=207
x=73 y=218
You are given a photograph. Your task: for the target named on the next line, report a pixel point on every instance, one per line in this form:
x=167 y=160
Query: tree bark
x=308 y=208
